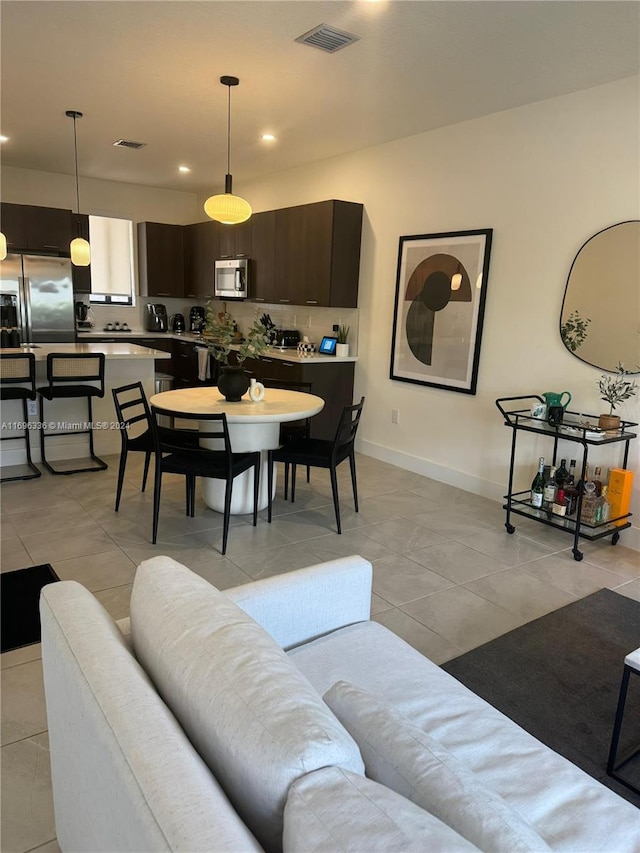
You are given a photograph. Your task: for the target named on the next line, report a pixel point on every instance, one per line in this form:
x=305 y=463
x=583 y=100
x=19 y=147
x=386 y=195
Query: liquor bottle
x=603 y=508
x=560 y=503
x=581 y=482
x=589 y=503
x=537 y=486
x=571 y=499
x=562 y=475
x=550 y=489
x=571 y=480
x=597 y=479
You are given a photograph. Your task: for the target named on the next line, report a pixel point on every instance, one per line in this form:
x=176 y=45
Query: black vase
x=233 y=383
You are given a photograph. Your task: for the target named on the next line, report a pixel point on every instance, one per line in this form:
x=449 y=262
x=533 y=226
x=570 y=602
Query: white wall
x=545 y=177
x=99 y=198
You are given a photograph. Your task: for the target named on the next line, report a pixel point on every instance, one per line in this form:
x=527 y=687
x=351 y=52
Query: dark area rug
x=559 y=677
x=19 y=596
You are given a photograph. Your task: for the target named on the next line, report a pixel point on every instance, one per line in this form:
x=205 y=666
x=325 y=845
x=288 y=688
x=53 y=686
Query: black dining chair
x=18 y=370
x=132 y=408
x=321 y=453
x=292 y=430
x=73 y=376
x=172 y=457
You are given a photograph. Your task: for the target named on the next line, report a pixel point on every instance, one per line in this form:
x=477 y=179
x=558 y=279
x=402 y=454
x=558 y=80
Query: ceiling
x=148 y=70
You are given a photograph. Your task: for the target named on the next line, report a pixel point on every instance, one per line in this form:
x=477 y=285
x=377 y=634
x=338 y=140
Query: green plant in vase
x=342 y=335
x=221 y=329
x=614 y=390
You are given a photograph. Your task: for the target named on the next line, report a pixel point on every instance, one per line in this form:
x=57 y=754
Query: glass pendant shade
x=80 y=252
x=3 y=246
x=227 y=208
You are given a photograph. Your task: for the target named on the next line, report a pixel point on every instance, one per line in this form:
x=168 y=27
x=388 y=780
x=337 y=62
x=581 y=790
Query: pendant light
x=3 y=246
x=80 y=248
x=228 y=208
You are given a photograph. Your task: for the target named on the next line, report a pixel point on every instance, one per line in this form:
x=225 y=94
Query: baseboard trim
x=460 y=479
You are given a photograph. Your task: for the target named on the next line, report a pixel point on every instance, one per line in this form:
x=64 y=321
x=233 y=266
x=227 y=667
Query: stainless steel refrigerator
x=36 y=298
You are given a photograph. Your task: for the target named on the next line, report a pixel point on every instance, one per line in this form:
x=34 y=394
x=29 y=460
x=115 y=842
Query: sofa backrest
x=125 y=776
x=248 y=710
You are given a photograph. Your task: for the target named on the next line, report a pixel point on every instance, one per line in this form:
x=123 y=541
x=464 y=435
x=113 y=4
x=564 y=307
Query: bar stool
x=14 y=369
x=68 y=375
x=631 y=665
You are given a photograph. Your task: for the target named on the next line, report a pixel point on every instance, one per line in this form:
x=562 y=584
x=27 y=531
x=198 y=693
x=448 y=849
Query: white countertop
x=272 y=352
x=124 y=350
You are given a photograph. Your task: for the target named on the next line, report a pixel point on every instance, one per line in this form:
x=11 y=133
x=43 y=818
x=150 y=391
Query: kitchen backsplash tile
x=312 y=322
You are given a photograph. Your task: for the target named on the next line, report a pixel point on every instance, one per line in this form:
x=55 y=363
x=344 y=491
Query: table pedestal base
x=244 y=437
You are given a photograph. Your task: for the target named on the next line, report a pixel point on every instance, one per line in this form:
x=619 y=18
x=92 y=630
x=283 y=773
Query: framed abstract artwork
x=441 y=288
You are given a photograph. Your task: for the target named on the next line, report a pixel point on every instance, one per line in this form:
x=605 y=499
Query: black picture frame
x=441 y=291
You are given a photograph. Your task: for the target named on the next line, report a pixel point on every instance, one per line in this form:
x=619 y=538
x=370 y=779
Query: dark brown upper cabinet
x=161 y=259
x=201 y=248
x=317 y=254
x=235 y=240
x=263 y=252
x=29 y=228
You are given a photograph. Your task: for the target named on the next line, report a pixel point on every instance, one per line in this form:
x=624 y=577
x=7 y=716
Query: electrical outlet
x=309 y=321
x=395 y=416
x=32 y=407
x=335 y=327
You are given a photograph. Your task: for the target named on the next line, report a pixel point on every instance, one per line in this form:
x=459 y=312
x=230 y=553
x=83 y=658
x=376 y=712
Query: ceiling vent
x=327 y=38
x=128 y=143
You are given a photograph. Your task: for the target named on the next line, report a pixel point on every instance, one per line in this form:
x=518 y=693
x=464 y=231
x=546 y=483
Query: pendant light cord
x=229 y=132
x=75 y=148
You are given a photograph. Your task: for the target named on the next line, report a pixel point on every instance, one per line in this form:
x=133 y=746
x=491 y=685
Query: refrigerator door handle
x=25 y=336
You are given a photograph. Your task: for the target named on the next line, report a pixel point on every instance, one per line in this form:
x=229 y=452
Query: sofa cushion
x=332 y=810
x=408 y=760
x=249 y=712
x=125 y=775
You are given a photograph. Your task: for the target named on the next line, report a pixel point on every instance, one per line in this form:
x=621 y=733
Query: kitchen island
x=124 y=363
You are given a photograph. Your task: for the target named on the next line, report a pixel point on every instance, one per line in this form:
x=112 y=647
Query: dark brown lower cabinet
x=331 y=381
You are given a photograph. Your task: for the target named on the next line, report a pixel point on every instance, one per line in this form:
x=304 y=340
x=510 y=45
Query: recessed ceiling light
x=4 y=138
x=184 y=169
x=268 y=137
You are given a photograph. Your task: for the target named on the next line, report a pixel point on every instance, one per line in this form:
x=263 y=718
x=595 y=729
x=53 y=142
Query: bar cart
x=580 y=429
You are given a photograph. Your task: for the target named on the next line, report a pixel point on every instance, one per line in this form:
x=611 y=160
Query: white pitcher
x=256 y=391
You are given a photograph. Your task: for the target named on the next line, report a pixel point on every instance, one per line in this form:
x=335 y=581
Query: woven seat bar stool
x=69 y=375
x=16 y=372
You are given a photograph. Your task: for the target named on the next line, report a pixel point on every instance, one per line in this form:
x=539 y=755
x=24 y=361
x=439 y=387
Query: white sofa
x=188 y=728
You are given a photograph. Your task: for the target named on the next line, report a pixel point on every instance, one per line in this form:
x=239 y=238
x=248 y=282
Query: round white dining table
x=252 y=426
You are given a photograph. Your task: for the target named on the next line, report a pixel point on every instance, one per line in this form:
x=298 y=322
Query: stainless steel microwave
x=232 y=278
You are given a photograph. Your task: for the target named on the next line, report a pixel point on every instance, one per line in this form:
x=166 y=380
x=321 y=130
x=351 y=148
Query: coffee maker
x=197 y=319
x=83 y=319
x=155 y=318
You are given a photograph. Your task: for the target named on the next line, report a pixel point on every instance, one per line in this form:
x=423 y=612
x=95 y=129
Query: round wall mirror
x=600 y=316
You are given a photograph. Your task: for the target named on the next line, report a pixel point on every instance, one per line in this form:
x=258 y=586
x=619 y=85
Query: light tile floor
x=447 y=577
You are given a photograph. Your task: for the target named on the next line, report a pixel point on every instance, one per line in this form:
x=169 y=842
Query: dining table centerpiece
x=232 y=349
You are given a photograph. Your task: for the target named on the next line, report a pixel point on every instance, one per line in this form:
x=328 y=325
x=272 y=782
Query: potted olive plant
x=233 y=382
x=342 y=346
x=615 y=390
